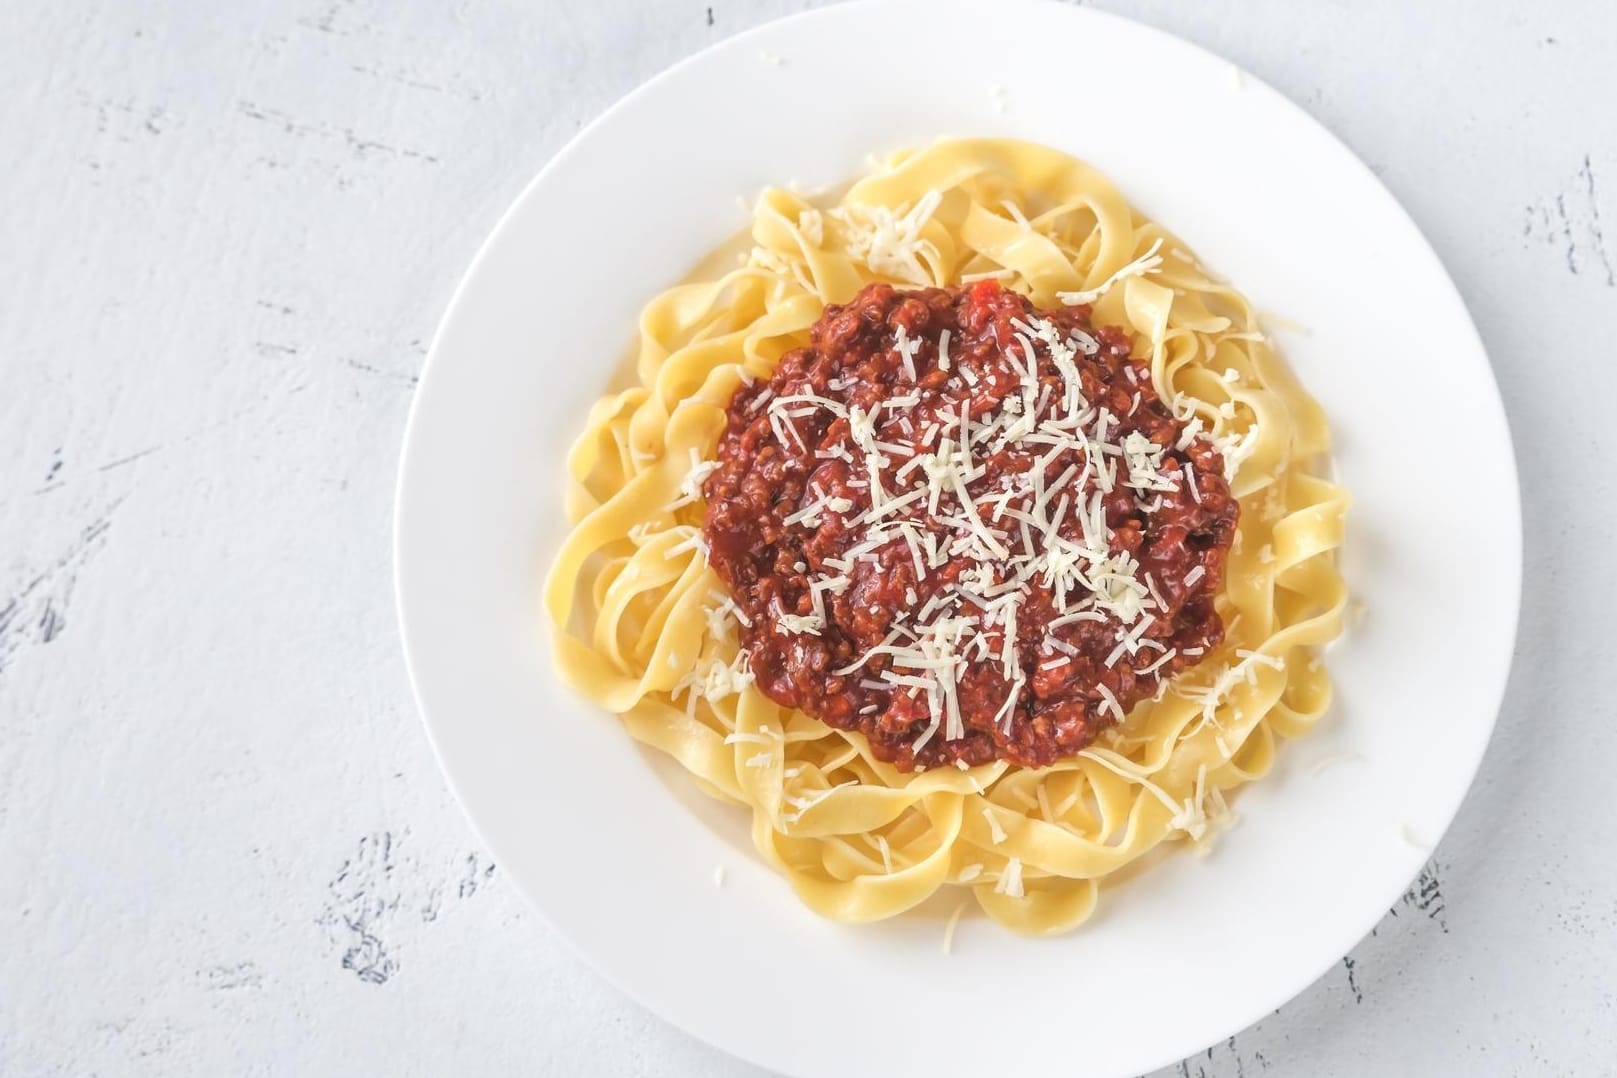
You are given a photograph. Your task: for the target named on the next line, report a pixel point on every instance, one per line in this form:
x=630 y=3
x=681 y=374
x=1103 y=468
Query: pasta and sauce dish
x=967 y=532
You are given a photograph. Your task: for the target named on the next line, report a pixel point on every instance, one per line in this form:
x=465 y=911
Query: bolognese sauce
x=965 y=527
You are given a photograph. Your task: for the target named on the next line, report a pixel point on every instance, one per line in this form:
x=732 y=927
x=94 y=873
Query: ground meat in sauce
x=766 y=474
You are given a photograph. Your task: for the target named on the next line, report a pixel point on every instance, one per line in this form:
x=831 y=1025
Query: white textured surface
x=227 y=231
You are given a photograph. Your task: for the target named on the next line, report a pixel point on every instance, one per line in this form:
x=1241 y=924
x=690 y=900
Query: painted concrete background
x=227 y=231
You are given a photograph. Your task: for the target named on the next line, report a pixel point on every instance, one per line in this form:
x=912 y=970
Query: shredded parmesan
x=949 y=927
x=1145 y=264
x=1010 y=880
x=890 y=242
x=690 y=488
x=1326 y=762
x=803 y=804
x=809 y=624
x=996 y=833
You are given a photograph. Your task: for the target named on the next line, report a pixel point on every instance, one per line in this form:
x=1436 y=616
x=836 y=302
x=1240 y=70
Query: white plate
x=619 y=853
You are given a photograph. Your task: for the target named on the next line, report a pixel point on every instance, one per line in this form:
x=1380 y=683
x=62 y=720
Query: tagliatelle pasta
x=645 y=627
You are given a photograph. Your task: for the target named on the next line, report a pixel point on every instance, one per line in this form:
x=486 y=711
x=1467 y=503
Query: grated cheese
x=1010 y=880
x=949 y=927
x=802 y=624
x=889 y=241
x=1327 y=762
x=803 y=804
x=1145 y=264
x=996 y=833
